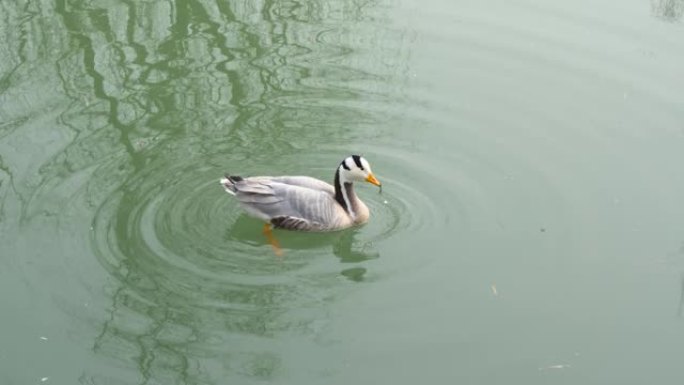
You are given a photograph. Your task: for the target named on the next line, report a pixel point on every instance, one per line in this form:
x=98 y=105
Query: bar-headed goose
x=304 y=203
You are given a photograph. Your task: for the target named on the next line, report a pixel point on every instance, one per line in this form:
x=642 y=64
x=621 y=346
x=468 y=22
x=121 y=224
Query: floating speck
x=44 y=338
x=43 y=379
x=494 y=291
x=385 y=202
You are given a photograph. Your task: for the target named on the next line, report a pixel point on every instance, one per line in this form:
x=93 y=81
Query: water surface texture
x=530 y=229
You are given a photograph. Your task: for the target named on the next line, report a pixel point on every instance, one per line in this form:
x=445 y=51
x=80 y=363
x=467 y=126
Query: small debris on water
x=43 y=338
x=494 y=291
x=385 y=202
x=555 y=367
x=44 y=379
x=543 y=229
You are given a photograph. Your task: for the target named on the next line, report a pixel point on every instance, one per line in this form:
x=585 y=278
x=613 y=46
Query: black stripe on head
x=344 y=165
x=357 y=160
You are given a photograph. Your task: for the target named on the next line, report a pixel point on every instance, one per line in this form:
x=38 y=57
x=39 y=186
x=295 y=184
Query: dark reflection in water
x=152 y=100
x=670 y=10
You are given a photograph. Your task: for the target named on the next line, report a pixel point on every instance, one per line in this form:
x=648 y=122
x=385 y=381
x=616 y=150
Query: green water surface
x=530 y=229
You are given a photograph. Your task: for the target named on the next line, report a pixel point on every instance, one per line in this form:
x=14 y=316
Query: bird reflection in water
x=344 y=244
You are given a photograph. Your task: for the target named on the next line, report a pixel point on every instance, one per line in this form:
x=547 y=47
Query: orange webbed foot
x=272 y=240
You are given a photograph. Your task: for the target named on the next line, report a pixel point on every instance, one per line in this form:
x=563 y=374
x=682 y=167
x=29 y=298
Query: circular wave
x=172 y=229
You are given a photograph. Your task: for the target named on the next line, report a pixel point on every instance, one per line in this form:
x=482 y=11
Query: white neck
x=344 y=191
x=347 y=199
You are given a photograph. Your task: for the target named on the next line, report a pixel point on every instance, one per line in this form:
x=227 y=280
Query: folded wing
x=286 y=205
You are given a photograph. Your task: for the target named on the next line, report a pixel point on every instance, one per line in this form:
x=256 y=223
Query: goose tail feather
x=228 y=183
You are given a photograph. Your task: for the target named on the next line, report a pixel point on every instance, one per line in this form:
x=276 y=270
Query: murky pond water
x=530 y=231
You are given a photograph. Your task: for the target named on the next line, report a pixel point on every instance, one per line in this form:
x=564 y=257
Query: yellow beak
x=372 y=180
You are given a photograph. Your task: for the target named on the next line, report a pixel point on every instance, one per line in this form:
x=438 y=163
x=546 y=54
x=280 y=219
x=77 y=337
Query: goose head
x=357 y=169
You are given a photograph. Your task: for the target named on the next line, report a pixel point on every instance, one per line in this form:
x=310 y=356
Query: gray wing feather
x=305 y=181
x=304 y=207
x=262 y=199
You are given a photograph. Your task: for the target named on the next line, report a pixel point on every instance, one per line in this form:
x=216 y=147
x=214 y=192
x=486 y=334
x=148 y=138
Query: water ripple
x=118 y=121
